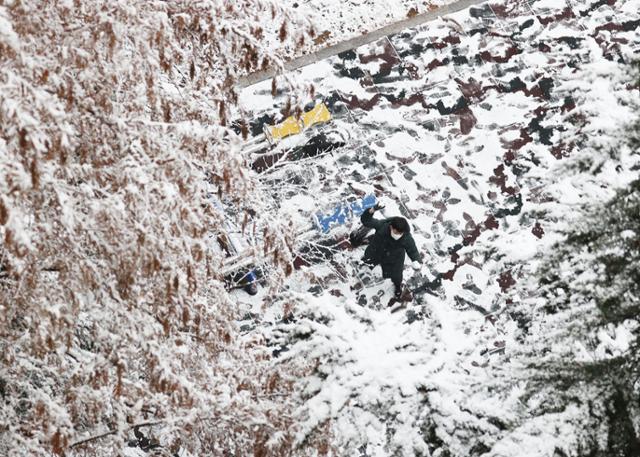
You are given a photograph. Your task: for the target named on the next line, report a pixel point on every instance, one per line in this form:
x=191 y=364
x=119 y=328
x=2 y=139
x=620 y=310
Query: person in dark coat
x=388 y=245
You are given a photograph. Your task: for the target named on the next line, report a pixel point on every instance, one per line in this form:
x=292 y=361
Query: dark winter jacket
x=383 y=250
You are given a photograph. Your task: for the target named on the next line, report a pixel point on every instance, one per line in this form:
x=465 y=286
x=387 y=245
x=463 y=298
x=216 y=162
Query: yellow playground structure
x=294 y=125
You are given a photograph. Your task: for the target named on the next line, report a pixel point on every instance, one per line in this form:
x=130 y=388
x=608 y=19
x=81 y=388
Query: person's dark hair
x=400 y=224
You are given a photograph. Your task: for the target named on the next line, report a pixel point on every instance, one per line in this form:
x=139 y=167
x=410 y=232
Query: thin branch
x=80 y=442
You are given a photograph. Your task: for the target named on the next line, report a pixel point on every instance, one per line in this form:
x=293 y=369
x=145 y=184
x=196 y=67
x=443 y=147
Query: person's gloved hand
x=375 y=208
x=416 y=265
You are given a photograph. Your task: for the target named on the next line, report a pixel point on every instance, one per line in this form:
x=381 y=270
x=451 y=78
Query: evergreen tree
x=582 y=333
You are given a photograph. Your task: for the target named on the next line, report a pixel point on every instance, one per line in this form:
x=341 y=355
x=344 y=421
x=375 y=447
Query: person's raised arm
x=367 y=218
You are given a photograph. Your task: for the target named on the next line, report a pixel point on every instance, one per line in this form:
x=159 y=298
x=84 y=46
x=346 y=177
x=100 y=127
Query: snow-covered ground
x=460 y=125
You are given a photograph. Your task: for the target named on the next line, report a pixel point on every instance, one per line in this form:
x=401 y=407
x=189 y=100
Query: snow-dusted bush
x=112 y=312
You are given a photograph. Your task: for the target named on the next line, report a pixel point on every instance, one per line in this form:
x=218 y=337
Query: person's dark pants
x=396 y=278
x=397 y=282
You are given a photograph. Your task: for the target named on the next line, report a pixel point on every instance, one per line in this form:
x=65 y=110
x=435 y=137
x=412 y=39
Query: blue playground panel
x=344 y=212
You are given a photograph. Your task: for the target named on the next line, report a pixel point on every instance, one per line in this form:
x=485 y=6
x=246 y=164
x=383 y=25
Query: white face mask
x=396 y=236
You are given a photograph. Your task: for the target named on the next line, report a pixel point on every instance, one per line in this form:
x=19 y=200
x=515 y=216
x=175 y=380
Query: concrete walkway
x=355 y=42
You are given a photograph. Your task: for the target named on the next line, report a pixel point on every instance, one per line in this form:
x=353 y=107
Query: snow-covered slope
x=461 y=125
